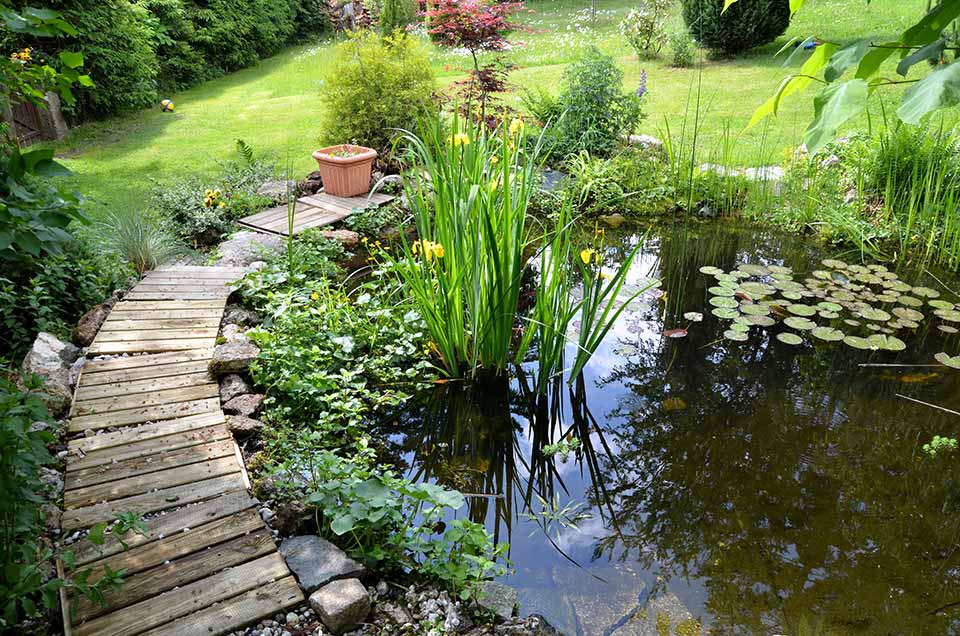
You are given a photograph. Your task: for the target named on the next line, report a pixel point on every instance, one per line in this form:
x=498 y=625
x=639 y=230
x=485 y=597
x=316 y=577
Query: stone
x=245 y=247
x=248 y=404
x=396 y=614
x=75 y=370
x=341 y=605
x=89 y=324
x=614 y=220
x=237 y=315
x=234 y=333
x=721 y=171
x=51 y=358
x=52 y=479
x=500 y=599
x=316 y=562
x=648 y=142
x=347 y=238
x=772 y=175
x=232 y=385
x=243 y=425
x=289 y=516
x=276 y=191
x=233 y=357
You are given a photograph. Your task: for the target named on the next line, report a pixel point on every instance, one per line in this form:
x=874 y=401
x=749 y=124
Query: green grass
x=274 y=107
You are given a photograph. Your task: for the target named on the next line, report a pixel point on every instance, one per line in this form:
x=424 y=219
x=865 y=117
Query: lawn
x=274 y=106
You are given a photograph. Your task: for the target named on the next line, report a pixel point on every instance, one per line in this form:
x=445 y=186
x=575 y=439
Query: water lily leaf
x=759 y=321
x=721 y=291
x=829 y=306
x=710 y=270
x=908 y=324
x=821 y=274
x=873 y=327
x=723 y=301
x=833 y=264
x=789 y=338
x=950 y=315
x=828 y=333
x=886 y=298
x=843 y=295
x=756 y=290
x=779 y=270
x=951 y=361
x=906 y=312
x=829 y=315
x=926 y=292
x=940 y=304
x=693 y=316
x=852 y=322
x=788 y=285
x=675 y=333
x=801 y=310
x=856 y=342
x=739 y=326
x=801 y=324
x=729 y=284
x=887 y=343
x=901 y=287
x=753 y=309
x=754 y=270
x=792 y=295
x=872 y=313
x=947 y=329
x=723 y=277
x=739 y=336
x=726 y=313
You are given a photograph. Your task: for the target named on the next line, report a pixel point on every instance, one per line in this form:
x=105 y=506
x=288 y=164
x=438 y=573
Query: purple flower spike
x=642 y=89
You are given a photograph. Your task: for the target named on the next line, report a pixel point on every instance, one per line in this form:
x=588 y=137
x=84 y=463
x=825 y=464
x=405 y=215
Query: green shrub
x=181 y=65
x=644 y=27
x=375 y=86
x=542 y=105
x=596 y=113
x=682 y=50
x=744 y=25
x=396 y=14
x=138 y=240
x=234 y=34
x=312 y=18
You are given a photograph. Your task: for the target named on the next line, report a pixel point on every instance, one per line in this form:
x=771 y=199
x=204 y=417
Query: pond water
x=753 y=487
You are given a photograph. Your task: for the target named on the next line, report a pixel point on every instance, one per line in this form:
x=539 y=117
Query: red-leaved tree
x=475 y=25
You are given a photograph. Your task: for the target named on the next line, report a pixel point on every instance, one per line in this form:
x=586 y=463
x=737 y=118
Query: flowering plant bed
x=345 y=169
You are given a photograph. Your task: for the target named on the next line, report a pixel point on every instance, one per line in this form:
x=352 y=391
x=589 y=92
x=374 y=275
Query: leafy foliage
x=396 y=14
x=137 y=239
x=728 y=29
x=644 y=27
x=375 y=87
x=682 y=50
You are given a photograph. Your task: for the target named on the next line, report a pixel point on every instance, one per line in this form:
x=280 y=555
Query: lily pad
x=872 y=313
x=951 y=361
x=910 y=301
x=753 y=309
x=887 y=343
x=725 y=312
x=947 y=329
x=739 y=326
x=821 y=274
x=940 y=304
x=792 y=295
x=722 y=277
x=833 y=263
x=754 y=270
x=906 y=312
x=710 y=270
x=721 y=291
x=756 y=290
x=729 y=284
x=852 y=322
x=801 y=310
x=828 y=333
x=801 y=324
x=829 y=306
x=779 y=269
x=901 y=287
x=856 y=342
x=950 y=315
x=731 y=334
x=926 y=292
x=724 y=301
x=693 y=316
x=759 y=321
x=908 y=324
x=789 y=338
x=828 y=315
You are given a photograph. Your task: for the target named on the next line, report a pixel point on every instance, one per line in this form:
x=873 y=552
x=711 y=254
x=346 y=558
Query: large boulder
x=246 y=247
x=89 y=324
x=316 y=562
x=347 y=238
x=341 y=605
x=233 y=357
x=500 y=599
x=51 y=359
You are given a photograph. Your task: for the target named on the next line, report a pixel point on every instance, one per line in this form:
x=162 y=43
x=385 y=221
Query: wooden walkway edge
x=315 y=210
x=151 y=438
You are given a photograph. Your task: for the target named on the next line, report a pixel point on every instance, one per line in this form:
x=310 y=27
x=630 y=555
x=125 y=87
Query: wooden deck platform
x=312 y=211
x=207 y=563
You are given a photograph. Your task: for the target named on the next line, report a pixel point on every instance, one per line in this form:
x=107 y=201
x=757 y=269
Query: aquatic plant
x=940 y=445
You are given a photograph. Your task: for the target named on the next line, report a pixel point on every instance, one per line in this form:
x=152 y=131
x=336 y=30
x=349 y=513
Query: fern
x=246 y=152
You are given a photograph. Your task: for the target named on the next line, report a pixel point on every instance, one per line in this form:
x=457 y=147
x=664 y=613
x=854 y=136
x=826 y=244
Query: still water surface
x=755 y=488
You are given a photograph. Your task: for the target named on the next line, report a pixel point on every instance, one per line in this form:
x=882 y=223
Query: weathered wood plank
x=147 y=414
x=188 y=425
x=91 y=392
x=236 y=612
x=143 y=400
x=133 y=294
x=151 y=501
x=138 y=484
x=145 y=305
x=109 y=334
x=151 y=360
x=165 y=314
x=183 y=570
x=150 y=346
x=164 y=608
x=155 y=324
x=214 y=287
x=198 y=270
x=165 y=525
x=152 y=463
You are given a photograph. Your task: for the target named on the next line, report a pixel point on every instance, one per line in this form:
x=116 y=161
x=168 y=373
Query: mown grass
x=274 y=107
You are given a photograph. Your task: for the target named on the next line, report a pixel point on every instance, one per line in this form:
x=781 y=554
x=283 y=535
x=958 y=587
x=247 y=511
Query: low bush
x=375 y=86
x=682 y=50
x=644 y=27
x=138 y=240
x=741 y=26
x=396 y=14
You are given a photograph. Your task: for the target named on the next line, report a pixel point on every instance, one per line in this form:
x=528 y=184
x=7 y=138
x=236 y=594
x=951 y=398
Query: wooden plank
x=199 y=269
x=151 y=501
x=279 y=212
x=108 y=334
x=65 y=608
x=150 y=346
x=151 y=463
x=147 y=414
x=237 y=612
x=331 y=205
x=157 y=296
x=153 y=360
x=215 y=287
x=257 y=228
x=108 y=405
x=139 y=484
x=181 y=571
x=161 y=323
x=143 y=374
x=179 y=426
x=165 y=314
x=164 y=608
x=165 y=525
x=90 y=392
x=143 y=305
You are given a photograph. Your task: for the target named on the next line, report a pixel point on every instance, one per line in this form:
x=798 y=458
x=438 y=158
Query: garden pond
x=754 y=485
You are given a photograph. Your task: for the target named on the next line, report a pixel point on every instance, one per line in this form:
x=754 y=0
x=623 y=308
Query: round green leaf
x=789 y=338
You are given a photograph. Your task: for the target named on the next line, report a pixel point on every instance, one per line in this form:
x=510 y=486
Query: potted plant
x=345 y=169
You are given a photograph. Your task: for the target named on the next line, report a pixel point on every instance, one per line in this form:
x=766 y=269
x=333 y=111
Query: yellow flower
x=221 y=205
x=438 y=250
x=586 y=255
x=429 y=248
x=516 y=126
x=461 y=139
x=494 y=160
x=314 y=296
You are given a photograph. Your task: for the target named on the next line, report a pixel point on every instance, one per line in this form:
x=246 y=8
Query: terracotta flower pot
x=345 y=169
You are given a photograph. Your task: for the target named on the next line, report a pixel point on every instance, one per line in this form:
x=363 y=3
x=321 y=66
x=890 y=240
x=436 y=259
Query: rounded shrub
x=375 y=86
x=744 y=25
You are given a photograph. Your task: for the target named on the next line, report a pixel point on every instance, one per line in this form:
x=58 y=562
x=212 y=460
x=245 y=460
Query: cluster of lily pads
x=832 y=304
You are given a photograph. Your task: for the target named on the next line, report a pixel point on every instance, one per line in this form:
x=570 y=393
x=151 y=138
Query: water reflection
x=755 y=487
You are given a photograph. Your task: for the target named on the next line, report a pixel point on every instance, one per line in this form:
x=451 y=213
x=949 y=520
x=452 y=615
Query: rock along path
x=151 y=438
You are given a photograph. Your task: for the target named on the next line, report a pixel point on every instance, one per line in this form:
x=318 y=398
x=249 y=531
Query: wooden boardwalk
x=315 y=210
x=153 y=440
